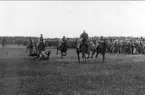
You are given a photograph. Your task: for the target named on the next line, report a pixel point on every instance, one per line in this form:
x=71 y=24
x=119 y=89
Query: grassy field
x=119 y=75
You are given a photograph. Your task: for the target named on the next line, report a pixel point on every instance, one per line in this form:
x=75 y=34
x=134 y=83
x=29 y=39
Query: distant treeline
x=20 y=40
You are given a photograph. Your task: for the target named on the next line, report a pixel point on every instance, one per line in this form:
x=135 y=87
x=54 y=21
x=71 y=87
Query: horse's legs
x=93 y=54
x=78 y=54
x=97 y=55
x=65 y=53
x=85 y=57
x=104 y=58
x=88 y=55
x=57 y=51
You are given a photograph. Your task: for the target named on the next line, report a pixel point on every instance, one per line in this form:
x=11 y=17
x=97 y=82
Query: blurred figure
x=64 y=40
x=84 y=36
x=30 y=47
x=41 y=38
x=101 y=40
x=3 y=42
x=44 y=55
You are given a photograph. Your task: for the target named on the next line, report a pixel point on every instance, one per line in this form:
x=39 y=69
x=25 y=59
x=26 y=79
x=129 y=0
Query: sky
x=70 y=18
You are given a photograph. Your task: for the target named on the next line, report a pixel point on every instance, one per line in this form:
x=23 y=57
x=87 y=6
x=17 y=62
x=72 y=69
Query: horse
x=101 y=48
x=40 y=47
x=81 y=48
x=63 y=49
x=44 y=55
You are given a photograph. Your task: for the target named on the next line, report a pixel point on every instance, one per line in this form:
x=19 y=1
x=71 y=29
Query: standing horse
x=101 y=48
x=82 y=49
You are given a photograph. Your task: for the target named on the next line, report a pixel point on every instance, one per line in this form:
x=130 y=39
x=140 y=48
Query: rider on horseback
x=101 y=40
x=84 y=36
x=41 y=45
x=64 y=41
x=41 y=38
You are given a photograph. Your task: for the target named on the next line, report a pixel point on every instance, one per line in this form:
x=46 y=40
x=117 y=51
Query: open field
x=119 y=75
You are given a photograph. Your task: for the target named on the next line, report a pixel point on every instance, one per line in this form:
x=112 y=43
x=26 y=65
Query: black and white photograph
x=72 y=47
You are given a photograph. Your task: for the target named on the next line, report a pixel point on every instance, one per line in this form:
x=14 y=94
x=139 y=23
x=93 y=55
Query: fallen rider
x=44 y=55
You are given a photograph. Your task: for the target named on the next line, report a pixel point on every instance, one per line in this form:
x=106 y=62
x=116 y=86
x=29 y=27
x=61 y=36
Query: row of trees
x=20 y=40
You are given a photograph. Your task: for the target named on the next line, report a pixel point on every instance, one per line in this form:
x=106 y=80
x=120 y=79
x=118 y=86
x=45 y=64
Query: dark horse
x=101 y=48
x=63 y=49
x=82 y=48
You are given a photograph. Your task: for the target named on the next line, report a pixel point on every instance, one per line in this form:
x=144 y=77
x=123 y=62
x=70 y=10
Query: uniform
x=41 y=38
x=101 y=40
x=84 y=36
x=64 y=40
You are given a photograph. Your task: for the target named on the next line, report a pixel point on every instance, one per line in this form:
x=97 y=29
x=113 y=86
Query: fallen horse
x=44 y=55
